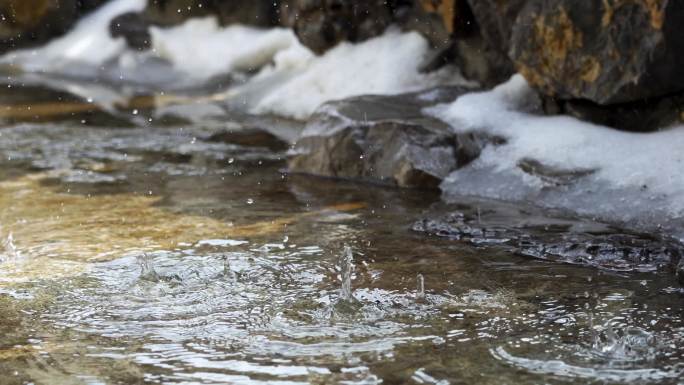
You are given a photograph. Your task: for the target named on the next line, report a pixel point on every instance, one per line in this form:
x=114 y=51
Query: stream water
x=159 y=254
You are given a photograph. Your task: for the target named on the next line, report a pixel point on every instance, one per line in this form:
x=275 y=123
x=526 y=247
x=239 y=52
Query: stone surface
x=384 y=139
x=638 y=116
x=250 y=137
x=605 y=51
x=322 y=24
x=529 y=233
x=478 y=43
x=26 y=23
x=133 y=28
x=250 y=12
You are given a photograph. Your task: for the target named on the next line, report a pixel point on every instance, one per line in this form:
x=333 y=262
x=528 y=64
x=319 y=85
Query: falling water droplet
x=420 y=288
x=228 y=272
x=147 y=271
x=347 y=270
x=250 y=201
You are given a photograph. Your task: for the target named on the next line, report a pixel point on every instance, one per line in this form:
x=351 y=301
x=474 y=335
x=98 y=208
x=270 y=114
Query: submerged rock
x=384 y=139
x=31 y=23
x=606 y=51
x=250 y=137
x=558 y=242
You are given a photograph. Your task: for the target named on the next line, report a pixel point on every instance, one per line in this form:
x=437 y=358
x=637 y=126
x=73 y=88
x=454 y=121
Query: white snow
x=89 y=42
x=639 y=176
x=201 y=48
x=292 y=81
x=385 y=65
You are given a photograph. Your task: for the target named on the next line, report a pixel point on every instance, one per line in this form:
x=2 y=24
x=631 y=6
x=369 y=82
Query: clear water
x=155 y=255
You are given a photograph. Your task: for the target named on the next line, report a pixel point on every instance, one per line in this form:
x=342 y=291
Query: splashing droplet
x=346 y=272
x=147 y=271
x=420 y=289
x=228 y=272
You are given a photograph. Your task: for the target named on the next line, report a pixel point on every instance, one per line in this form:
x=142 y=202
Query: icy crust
x=288 y=78
x=561 y=162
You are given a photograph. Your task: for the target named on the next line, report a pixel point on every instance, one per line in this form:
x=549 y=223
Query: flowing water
x=159 y=254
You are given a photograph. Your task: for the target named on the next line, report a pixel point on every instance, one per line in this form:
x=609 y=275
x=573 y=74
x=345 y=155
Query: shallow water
x=158 y=254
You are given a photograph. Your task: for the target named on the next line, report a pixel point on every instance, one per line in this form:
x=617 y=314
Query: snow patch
x=384 y=65
x=291 y=80
x=636 y=177
x=89 y=42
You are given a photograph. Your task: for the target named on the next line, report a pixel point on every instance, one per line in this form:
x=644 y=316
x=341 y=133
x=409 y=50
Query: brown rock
x=606 y=51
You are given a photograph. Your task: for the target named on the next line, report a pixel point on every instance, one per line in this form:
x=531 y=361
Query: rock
x=249 y=12
x=133 y=28
x=31 y=23
x=383 y=139
x=680 y=271
x=322 y=24
x=250 y=137
x=605 y=51
x=639 y=116
x=478 y=44
x=556 y=240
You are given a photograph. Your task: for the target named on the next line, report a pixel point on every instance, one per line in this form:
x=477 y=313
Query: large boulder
x=30 y=23
x=383 y=139
x=605 y=51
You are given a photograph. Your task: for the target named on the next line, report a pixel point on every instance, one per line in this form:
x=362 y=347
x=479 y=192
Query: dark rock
x=639 y=116
x=605 y=51
x=617 y=251
x=680 y=271
x=249 y=12
x=251 y=137
x=30 y=23
x=384 y=139
x=552 y=175
x=133 y=28
x=478 y=43
x=322 y=24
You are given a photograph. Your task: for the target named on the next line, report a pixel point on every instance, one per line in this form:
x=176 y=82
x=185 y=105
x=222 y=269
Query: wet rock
x=605 y=51
x=322 y=24
x=384 y=139
x=172 y=12
x=133 y=28
x=250 y=137
x=617 y=251
x=31 y=23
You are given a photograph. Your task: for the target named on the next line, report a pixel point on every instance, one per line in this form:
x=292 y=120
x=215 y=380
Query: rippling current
x=170 y=254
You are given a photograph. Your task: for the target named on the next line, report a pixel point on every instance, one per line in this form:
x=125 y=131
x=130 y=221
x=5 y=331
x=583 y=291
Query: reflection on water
x=163 y=255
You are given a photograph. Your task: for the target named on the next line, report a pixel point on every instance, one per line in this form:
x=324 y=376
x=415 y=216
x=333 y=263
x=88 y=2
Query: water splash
x=11 y=252
x=228 y=272
x=615 y=340
x=420 y=289
x=147 y=272
x=346 y=272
